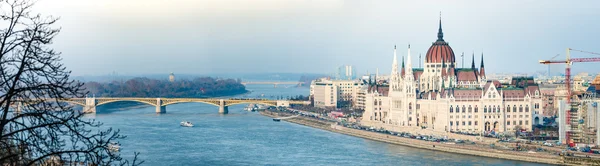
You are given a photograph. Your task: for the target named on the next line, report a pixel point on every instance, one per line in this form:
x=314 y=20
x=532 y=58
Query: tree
x=517 y=130
x=45 y=129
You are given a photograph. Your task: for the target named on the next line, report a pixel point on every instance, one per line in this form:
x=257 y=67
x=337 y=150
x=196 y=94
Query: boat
x=114 y=147
x=276 y=119
x=250 y=108
x=186 y=124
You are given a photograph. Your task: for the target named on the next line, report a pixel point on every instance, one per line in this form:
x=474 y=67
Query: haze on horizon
x=313 y=36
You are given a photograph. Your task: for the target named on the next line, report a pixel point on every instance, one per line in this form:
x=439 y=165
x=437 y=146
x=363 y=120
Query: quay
x=450 y=148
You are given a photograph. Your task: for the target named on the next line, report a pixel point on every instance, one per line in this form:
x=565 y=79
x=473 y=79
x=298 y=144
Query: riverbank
x=451 y=148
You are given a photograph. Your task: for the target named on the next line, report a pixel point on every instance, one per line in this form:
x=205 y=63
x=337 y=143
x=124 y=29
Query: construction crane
x=549 y=65
x=568 y=62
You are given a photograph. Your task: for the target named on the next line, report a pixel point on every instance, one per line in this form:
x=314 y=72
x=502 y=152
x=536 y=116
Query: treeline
x=307 y=79
x=145 y=87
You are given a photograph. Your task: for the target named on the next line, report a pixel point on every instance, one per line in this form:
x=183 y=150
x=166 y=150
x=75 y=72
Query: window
x=463 y=123
x=526 y=108
x=450 y=123
x=514 y=108
x=520 y=122
x=475 y=123
x=508 y=123
x=494 y=110
x=470 y=109
x=520 y=108
x=450 y=116
x=451 y=109
x=476 y=109
x=526 y=122
x=464 y=108
x=508 y=108
x=484 y=109
x=514 y=122
x=457 y=123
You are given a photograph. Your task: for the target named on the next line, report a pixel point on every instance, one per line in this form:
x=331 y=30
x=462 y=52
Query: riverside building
x=443 y=97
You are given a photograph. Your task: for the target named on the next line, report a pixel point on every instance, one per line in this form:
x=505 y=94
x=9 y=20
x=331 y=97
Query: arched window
x=508 y=108
x=494 y=109
x=470 y=109
x=410 y=106
x=451 y=109
x=464 y=109
x=526 y=108
x=514 y=108
x=484 y=109
x=520 y=108
x=476 y=109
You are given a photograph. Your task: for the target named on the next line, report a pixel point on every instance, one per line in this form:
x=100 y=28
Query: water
x=248 y=138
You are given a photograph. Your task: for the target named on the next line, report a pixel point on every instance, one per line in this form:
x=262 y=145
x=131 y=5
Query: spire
x=473 y=62
x=481 y=59
x=403 y=69
x=440 y=33
x=482 y=69
x=395 y=63
x=409 y=72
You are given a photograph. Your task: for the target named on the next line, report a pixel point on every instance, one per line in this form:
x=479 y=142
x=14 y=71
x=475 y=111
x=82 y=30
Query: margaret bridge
x=89 y=104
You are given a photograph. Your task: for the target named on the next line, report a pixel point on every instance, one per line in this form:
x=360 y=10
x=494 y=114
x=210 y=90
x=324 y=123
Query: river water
x=248 y=138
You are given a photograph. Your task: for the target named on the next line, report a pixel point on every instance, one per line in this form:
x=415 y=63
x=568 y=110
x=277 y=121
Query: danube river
x=247 y=138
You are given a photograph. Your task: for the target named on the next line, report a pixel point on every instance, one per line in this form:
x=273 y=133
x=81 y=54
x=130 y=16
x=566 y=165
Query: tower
x=171 y=77
x=394 y=78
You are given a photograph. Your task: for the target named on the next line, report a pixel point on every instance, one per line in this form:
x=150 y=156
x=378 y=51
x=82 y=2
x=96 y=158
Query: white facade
x=448 y=104
x=327 y=92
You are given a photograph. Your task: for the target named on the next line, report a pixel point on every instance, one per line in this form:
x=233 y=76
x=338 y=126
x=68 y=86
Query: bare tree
x=46 y=130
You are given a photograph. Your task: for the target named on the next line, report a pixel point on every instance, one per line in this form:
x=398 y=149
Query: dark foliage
x=45 y=131
x=145 y=87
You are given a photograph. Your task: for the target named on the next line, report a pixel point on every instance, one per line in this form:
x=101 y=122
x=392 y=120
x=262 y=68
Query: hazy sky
x=313 y=36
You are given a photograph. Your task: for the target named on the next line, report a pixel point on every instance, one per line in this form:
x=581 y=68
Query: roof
x=439 y=51
x=417 y=74
x=383 y=90
x=467 y=93
x=464 y=74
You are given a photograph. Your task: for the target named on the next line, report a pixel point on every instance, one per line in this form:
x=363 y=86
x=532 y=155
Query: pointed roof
x=481 y=59
x=473 y=62
x=440 y=34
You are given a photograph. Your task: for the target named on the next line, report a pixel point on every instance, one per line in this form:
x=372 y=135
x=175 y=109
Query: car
x=548 y=144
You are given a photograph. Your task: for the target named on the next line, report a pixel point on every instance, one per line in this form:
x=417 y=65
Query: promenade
x=484 y=150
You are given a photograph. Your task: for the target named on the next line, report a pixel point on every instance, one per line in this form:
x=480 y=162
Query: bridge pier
x=160 y=109
x=90 y=105
x=222 y=108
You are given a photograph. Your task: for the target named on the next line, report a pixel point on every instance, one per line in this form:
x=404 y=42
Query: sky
x=134 y=37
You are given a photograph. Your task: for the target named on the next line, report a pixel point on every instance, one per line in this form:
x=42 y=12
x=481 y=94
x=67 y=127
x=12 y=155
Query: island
x=201 y=87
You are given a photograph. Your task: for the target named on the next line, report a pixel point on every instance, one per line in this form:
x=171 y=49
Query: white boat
x=186 y=124
x=250 y=108
x=114 y=147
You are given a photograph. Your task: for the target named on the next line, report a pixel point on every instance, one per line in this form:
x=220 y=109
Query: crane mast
x=568 y=62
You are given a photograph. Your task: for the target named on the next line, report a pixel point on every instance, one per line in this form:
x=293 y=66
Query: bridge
x=274 y=83
x=89 y=104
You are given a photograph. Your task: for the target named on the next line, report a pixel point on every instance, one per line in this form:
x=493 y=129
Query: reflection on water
x=248 y=138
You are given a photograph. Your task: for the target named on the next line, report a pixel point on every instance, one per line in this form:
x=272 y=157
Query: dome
x=440 y=50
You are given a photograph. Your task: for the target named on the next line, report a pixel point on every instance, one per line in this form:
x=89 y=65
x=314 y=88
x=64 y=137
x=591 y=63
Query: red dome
x=439 y=51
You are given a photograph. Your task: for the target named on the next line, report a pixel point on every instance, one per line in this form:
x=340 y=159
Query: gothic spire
x=440 y=33
x=473 y=62
x=482 y=59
